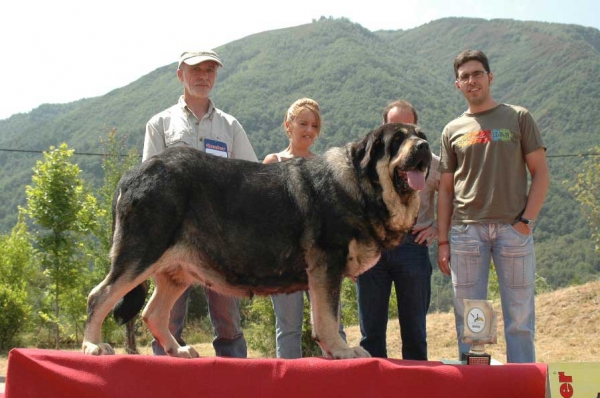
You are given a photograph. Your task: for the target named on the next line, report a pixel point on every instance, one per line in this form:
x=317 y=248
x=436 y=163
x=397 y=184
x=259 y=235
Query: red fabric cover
x=45 y=373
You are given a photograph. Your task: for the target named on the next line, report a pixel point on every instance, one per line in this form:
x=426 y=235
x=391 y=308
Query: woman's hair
x=299 y=106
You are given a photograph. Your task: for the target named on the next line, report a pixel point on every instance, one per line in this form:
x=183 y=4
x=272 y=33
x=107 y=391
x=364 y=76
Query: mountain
x=551 y=69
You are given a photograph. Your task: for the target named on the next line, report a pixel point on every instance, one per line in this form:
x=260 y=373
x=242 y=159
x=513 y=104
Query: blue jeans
x=289 y=314
x=224 y=315
x=472 y=248
x=408 y=267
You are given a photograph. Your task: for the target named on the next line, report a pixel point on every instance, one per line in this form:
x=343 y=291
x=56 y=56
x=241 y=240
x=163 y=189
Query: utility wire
x=105 y=154
x=74 y=153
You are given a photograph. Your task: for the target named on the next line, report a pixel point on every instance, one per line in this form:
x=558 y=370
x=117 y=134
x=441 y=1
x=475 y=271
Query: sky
x=59 y=51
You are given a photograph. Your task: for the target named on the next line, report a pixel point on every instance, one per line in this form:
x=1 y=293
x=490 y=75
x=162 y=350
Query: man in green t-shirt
x=485 y=208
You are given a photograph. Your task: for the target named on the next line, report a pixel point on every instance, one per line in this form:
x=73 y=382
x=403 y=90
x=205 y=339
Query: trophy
x=479 y=329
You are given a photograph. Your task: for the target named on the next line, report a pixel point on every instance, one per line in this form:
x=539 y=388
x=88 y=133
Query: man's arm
x=445 y=197
x=242 y=149
x=154 y=140
x=540 y=181
x=430 y=233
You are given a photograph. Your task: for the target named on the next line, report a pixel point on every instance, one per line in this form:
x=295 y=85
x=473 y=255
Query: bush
x=259 y=318
x=14 y=309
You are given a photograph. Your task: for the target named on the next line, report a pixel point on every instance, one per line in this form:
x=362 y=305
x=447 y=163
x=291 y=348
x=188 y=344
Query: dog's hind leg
x=157 y=313
x=100 y=302
x=324 y=302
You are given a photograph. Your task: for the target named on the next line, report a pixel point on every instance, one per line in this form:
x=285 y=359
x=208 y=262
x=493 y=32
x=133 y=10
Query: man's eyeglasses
x=464 y=78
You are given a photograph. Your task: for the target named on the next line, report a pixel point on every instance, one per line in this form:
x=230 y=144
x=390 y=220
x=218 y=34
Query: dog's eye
x=395 y=145
x=422 y=135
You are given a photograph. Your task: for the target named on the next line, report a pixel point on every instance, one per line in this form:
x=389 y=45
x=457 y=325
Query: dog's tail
x=131 y=304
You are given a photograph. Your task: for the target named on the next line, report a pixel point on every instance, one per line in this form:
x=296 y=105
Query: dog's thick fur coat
x=244 y=228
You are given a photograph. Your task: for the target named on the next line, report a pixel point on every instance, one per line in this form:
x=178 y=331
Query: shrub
x=14 y=309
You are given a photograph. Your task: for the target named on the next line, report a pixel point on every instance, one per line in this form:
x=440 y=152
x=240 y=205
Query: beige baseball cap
x=196 y=57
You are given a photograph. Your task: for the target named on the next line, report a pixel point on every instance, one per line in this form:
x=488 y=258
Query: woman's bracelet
x=442 y=243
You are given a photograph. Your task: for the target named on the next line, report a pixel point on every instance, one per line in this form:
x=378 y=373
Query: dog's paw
x=350 y=352
x=186 y=351
x=97 y=349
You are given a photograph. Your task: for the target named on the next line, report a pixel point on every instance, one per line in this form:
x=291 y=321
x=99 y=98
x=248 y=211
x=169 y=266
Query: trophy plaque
x=479 y=329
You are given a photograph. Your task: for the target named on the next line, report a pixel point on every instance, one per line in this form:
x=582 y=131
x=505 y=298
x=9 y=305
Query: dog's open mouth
x=410 y=172
x=406 y=180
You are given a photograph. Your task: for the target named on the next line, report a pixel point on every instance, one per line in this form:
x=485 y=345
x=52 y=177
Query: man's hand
x=428 y=234
x=444 y=259
x=522 y=228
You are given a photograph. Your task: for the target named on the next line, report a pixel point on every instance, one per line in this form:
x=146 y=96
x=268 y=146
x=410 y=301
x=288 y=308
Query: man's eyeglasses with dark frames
x=464 y=78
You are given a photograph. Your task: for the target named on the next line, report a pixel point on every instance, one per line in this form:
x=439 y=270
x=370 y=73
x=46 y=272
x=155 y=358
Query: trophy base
x=476 y=359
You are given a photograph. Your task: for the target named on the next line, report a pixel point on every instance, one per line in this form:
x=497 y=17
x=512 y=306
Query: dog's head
x=396 y=151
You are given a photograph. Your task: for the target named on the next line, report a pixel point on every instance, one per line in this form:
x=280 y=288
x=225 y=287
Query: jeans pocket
x=459 y=229
x=524 y=236
x=518 y=266
x=465 y=260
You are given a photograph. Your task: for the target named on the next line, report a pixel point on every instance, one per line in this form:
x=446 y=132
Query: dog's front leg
x=324 y=304
x=157 y=313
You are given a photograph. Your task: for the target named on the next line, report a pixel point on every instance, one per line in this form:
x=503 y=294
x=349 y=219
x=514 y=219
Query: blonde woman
x=302 y=124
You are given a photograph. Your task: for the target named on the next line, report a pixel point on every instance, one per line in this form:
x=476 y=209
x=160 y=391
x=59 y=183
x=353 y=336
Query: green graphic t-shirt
x=486 y=153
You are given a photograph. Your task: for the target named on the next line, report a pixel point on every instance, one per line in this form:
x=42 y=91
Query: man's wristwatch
x=529 y=223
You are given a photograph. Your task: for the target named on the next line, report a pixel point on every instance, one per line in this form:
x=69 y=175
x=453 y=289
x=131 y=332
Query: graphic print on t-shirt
x=485 y=136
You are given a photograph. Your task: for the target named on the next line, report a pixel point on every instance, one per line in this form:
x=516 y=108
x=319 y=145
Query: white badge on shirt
x=216 y=148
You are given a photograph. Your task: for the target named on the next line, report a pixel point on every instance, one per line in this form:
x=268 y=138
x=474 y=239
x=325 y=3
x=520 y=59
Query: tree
x=65 y=212
x=17 y=269
x=115 y=162
x=587 y=192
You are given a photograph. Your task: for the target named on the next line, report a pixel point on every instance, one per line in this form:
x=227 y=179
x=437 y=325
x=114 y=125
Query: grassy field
x=568 y=330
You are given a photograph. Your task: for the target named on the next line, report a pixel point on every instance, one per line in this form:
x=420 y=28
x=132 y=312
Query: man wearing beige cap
x=194 y=121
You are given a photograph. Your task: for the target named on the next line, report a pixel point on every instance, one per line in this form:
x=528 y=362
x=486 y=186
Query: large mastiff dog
x=243 y=228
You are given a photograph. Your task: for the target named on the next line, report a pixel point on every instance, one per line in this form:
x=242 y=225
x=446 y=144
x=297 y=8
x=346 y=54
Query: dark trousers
x=408 y=266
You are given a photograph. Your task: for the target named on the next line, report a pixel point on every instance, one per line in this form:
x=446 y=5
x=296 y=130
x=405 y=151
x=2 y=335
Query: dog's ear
x=367 y=148
x=420 y=133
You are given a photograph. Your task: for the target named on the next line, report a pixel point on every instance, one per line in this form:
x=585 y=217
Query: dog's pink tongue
x=416 y=179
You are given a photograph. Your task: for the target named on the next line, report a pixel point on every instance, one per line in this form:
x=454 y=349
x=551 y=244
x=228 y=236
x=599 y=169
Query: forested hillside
x=552 y=69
